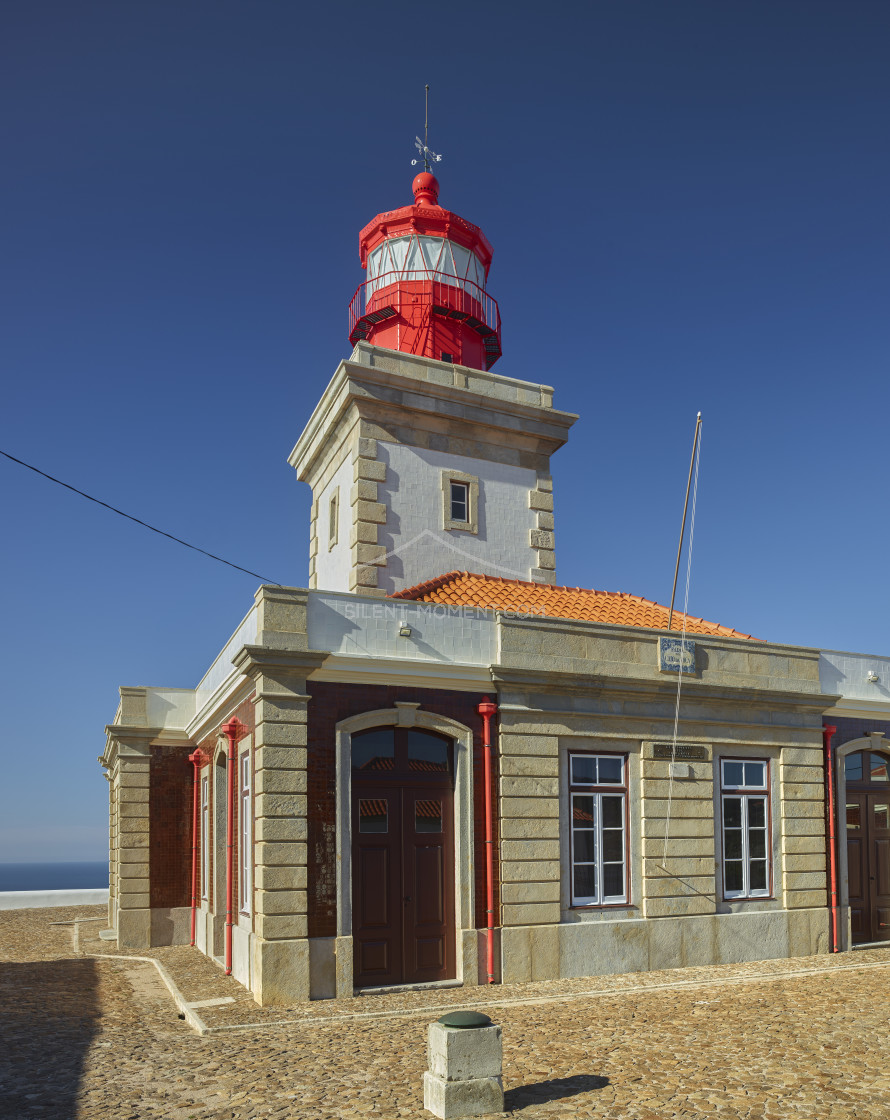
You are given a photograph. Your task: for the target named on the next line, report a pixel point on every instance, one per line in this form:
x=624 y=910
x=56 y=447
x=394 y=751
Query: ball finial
x=426 y=189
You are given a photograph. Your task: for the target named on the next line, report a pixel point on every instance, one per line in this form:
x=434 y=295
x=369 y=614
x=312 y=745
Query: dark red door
x=868 y=845
x=857 y=866
x=878 y=807
x=428 y=876
x=402 y=858
x=376 y=877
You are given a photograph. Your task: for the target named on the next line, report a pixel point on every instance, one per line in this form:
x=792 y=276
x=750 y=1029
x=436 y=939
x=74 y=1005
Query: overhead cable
x=138 y=521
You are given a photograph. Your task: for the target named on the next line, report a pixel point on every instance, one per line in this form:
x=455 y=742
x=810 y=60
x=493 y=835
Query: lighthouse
x=421 y=459
x=425 y=291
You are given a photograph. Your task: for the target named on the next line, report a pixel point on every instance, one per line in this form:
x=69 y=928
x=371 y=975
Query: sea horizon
x=59 y=875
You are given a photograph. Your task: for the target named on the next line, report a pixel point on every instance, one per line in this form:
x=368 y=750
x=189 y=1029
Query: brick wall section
x=170 y=831
x=331 y=703
x=677 y=880
x=848 y=729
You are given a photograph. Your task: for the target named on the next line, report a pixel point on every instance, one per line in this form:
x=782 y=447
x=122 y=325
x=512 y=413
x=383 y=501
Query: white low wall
x=26 y=900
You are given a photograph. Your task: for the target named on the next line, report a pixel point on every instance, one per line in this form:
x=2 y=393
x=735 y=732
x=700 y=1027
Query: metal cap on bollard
x=465 y=1020
x=465 y=1061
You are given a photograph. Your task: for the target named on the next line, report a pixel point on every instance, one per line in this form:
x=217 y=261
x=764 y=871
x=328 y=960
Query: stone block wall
x=573 y=686
x=677 y=837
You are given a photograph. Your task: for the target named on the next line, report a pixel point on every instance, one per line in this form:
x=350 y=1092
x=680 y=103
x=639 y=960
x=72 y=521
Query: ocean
x=53 y=876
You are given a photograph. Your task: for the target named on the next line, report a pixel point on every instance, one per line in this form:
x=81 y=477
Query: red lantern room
x=425 y=292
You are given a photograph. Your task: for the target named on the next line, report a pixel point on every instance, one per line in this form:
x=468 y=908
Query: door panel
x=879 y=869
x=857 y=865
x=429 y=865
x=376 y=894
x=403 y=883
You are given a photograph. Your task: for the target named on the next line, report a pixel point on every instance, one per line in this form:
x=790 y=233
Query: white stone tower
x=419 y=467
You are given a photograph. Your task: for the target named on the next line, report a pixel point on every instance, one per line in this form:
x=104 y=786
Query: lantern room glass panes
x=423 y=258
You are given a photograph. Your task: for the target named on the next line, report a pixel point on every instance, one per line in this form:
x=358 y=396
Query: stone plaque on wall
x=676 y=654
x=684 y=752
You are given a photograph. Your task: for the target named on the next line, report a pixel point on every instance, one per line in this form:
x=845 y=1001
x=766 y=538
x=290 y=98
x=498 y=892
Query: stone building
x=327 y=811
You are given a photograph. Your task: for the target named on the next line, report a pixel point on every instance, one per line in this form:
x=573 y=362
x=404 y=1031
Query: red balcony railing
x=407 y=294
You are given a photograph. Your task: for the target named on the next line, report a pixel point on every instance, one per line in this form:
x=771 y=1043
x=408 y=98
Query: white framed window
x=598 y=807
x=245 y=837
x=205 y=838
x=745 y=827
x=333 y=518
x=460 y=501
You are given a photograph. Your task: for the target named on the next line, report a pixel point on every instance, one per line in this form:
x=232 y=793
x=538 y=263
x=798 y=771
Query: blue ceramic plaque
x=676 y=655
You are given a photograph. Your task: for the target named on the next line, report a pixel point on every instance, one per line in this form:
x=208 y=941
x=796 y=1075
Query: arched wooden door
x=867 y=775
x=402 y=857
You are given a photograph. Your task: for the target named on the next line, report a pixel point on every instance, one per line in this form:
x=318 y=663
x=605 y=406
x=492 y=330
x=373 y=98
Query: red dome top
x=426 y=189
x=424 y=216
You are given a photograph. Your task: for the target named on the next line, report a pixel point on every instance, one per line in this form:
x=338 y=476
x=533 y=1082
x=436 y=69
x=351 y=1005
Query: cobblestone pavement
x=90 y=1037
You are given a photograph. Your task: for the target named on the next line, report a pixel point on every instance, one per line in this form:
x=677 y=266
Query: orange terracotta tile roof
x=522 y=596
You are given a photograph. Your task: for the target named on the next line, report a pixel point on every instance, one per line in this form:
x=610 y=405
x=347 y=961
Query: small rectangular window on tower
x=333 y=517
x=460 y=501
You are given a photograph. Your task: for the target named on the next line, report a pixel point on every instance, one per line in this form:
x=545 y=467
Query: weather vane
x=421 y=145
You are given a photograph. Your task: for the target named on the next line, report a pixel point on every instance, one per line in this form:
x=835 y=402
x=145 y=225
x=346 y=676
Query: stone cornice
x=368 y=386
x=124 y=740
x=253 y=660
x=650 y=634
x=418 y=673
x=557 y=681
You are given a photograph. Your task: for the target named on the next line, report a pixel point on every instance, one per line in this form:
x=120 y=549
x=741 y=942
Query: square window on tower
x=460 y=501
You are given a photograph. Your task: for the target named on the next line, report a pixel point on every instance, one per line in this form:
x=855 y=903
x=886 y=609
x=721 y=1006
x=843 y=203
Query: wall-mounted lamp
x=872 y=677
x=404 y=630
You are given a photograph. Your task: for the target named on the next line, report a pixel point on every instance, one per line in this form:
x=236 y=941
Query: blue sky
x=687 y=203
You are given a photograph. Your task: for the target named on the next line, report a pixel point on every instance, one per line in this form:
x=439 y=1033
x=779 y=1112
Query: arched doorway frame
x=871 y=741
x=218 y=782
x=406 y=714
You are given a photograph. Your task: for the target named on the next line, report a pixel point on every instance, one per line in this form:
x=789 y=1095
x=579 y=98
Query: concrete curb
x=191 y=1017
x=30 y=900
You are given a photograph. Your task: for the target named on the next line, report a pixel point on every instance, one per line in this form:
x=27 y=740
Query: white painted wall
x=332 y=565
x=419 y=548
x=221 y=669
x=846 y=673
x=170 y=707
x=364 y=627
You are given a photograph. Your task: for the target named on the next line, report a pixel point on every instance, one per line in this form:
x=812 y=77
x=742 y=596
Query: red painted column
x=827 y=732
x=487 y=709
x=195 y=758
x=232 y=729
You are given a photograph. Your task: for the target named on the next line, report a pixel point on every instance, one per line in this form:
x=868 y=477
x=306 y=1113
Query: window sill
x=604 y=906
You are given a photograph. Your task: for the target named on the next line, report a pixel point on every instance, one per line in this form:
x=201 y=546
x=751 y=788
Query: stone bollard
x=465 y=1058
